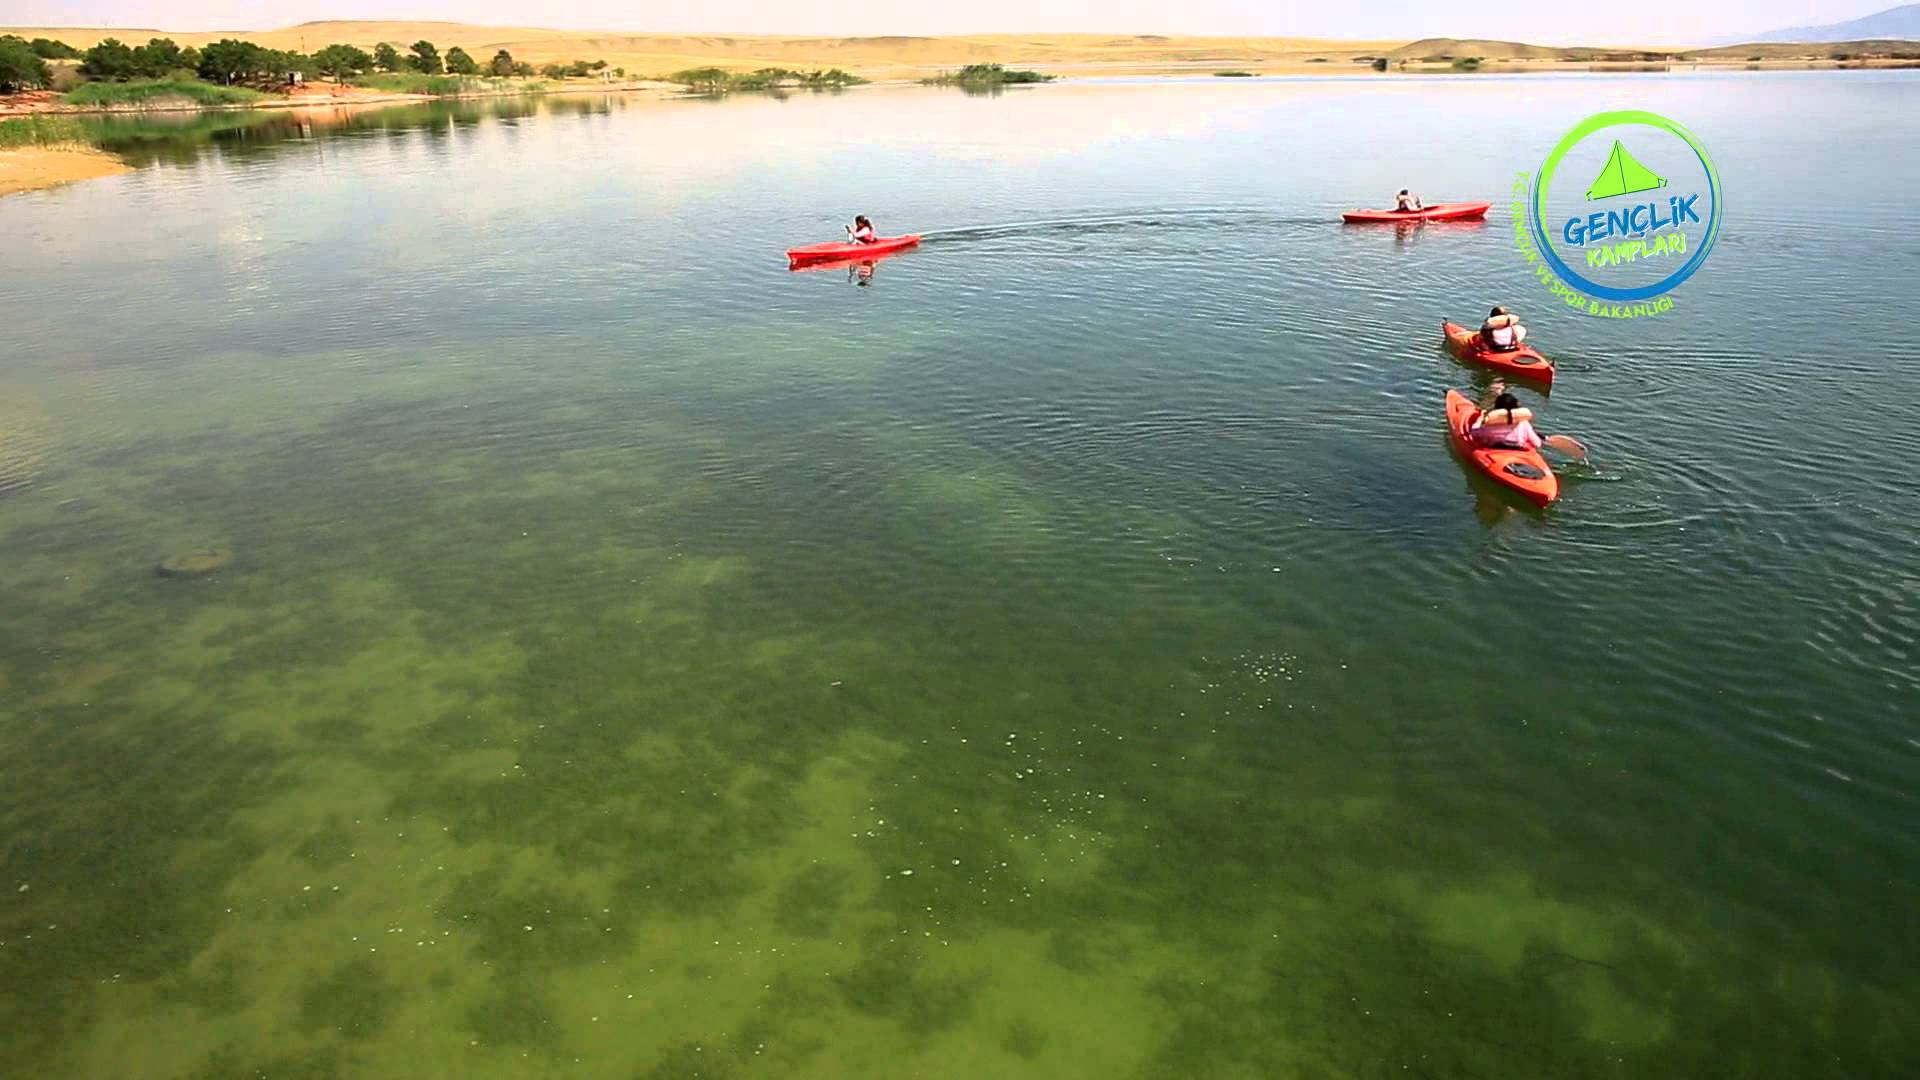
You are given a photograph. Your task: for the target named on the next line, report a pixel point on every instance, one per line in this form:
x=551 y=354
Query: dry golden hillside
x=873 y=56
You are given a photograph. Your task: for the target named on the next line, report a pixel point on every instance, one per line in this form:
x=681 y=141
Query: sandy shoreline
x=36 y=167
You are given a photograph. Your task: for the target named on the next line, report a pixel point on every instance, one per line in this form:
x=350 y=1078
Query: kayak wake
x=1119 y=221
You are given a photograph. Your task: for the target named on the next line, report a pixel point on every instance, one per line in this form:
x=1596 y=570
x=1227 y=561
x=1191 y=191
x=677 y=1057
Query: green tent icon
x=1622 y=175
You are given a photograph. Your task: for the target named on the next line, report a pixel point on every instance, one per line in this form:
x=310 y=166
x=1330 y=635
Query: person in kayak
x=1407 y=202
x=861 y=231
x=1502 y=331
x=1505 y=426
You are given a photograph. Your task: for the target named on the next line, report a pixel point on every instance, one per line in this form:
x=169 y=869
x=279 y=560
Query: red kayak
x=1453 y=211
x=1522 y=362
x=843 y=250
x=1522 y=471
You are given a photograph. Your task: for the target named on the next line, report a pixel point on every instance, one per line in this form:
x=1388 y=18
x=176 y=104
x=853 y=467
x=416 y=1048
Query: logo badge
x=1644 y=225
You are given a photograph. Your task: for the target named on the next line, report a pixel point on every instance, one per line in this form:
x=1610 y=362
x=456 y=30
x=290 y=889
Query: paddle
x=1566 y=444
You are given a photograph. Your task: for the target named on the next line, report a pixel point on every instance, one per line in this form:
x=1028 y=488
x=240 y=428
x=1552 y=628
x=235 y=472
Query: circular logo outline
x=1537 y=204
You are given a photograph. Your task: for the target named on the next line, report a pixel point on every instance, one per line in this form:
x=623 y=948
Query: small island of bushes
x=713 y=80
x=987 y=75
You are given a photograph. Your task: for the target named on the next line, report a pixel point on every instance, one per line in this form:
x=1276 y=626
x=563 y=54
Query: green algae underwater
x=657 y=674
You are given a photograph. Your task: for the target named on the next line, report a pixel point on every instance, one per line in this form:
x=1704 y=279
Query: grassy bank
x=153 y=93
x=43 y=131
x=408 y=82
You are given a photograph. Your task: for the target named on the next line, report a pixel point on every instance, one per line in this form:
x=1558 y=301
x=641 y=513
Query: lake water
x=1068 y=650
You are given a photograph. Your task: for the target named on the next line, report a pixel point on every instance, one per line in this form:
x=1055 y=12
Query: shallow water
x=1068 y=651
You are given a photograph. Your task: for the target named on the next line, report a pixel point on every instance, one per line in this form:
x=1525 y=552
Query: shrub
x=1379 y=63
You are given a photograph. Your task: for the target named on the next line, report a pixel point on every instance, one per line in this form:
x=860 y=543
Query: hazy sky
x=1615 y=21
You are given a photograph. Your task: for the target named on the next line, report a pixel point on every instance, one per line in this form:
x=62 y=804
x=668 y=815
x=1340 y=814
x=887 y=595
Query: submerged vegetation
x=713 y=80
x=987 y=75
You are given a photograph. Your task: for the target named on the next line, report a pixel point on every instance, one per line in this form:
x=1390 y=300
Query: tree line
x=232 y=62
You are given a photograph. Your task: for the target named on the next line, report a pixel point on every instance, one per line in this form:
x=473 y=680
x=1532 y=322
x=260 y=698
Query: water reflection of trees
x=182 y=138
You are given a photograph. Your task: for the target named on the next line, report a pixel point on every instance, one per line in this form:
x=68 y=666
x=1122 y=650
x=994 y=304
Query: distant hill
x=1818 y=50
x=1456 y=48
x=1901 y=23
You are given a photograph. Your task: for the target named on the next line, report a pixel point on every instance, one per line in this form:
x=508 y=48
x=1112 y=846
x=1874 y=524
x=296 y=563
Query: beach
x=38 y=167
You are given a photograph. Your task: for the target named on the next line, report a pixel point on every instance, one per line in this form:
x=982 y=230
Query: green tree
x=426 y=58
x=20 y=67
x=158 y=57
x=502 y=63
x=228 y=61
x=111 y=59
x=554 y=71
x=524 y=69
x=1379 y=63
x=386 y=57
x=459 y=63
x=340 y=61
x=51 y=49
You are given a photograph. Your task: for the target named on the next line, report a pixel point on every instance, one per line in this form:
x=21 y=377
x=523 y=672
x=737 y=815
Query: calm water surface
x=1068 y=651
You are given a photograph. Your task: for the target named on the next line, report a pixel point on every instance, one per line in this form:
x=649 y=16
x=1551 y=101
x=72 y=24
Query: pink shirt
x=1520 y=436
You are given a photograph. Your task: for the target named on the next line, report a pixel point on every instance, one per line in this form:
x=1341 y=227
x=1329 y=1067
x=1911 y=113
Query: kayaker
x=1502 y=331
x=1506 y=425
x=861 y=231
x=1407 y=202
